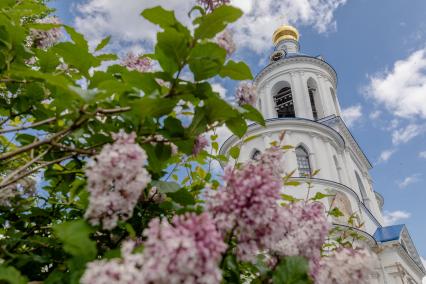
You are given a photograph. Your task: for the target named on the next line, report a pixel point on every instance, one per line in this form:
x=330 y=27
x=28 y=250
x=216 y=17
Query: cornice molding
x=332 y=75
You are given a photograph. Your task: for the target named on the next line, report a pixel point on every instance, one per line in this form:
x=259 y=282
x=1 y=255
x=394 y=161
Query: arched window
x=338 y=169
x=361 y=187
x=336 y=104
x=284 y=101
x=255 y=155
x=313 y=98
x=303 y=161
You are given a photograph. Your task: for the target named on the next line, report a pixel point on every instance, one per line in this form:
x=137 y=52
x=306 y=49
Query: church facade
x=297 y=93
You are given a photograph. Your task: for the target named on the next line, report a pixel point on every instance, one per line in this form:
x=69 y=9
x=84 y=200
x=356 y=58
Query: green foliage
x=11 y=275
x=292 y=270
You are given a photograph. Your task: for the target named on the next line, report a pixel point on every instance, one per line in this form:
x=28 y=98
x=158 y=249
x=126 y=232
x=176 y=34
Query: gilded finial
x=285 y=32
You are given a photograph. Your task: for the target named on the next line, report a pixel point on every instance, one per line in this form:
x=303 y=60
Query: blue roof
x=387 y=234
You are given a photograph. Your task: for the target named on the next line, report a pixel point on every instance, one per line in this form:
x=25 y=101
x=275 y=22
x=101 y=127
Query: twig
x=17 y=171
x=112 y=110
x=28 y=126
x=72 y=149
x=35 y=170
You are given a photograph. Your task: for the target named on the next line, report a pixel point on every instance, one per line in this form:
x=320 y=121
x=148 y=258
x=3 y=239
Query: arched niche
x=338 y=168
x=314 y=99
x=283 y=99
x=342 y=202
x=362 y=189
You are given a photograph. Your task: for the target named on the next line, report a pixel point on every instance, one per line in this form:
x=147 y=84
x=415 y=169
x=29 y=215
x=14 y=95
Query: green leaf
x=103 y=43
x=77 y=38
x=11 y=275
x=292 y=270
x=164 y=18
x=182 y=196
x=335 y=212
x=234 y=152
x=156 y=107
x=237 y=125
x=292 y=183
x=47 y=60
x=206 y=60
x=319 y=196
x=236 y=71
x=248 y=139
x=76 y=57
x=166 y=187
x=216 y=21
x=171 y=50
x=75 y=236
x=288 y=197
x=253 y=114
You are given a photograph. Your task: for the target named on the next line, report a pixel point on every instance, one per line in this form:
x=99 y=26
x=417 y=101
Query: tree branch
x=35 y=170
x=27 y=165
x=72 y=149
x=35 y=124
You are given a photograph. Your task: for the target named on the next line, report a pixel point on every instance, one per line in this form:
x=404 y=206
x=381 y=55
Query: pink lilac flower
x=226 y=41
x=201 y=142
x=347 y=266
x=247 y=205
x=210 y=5
x=186 y=251
x=116 y=271
x=305 y=229
x=116 y=179
x=134 y=62
x=246 y=94
x=45 y=38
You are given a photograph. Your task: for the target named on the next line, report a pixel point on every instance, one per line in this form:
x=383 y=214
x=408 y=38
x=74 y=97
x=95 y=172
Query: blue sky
x=378 y=49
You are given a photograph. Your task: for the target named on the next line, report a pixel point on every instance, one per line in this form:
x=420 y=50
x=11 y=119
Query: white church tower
x=297 y=93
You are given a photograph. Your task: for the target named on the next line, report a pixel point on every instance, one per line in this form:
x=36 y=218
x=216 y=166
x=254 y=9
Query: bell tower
x=295 y=85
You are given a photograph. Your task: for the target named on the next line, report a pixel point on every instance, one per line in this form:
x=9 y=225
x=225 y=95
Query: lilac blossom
x=200 y=144
x=116 y=271
x=116 y=179
x=347 y=266
x=246 y=94
x=247 y=206
x=226 y=41
x=186 y=251
x=133 y=62
x=45 y=38
x=304 y=230
x=210 y=5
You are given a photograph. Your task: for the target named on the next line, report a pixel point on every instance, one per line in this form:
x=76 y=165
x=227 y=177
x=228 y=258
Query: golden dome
x=285 y=32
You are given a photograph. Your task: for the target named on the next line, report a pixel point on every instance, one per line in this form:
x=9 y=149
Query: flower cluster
x=347 y=266
x=247 y=206
x=186 y=251
x=246 y=94
x=116 y=179
x=201 y=142
x=25 y=188
x=134 y=62
x=305 y=229
x=226 y=41
x=45 y=38
x=210 y=5
x=119 y=271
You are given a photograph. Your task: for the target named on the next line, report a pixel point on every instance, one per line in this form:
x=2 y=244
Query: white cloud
x=404 y=135
x=403 y=89
x=392 y=218
x=122 y=20
x=352 y=114
x=219 y=89
x=422 y=154
x=375 y=114
x=386 y=155
x=409 y=180
x=262 y=17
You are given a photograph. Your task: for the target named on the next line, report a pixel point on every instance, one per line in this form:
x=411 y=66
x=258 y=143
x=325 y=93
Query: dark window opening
x=312 y=99
x=284 y=103
x=256 y=155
